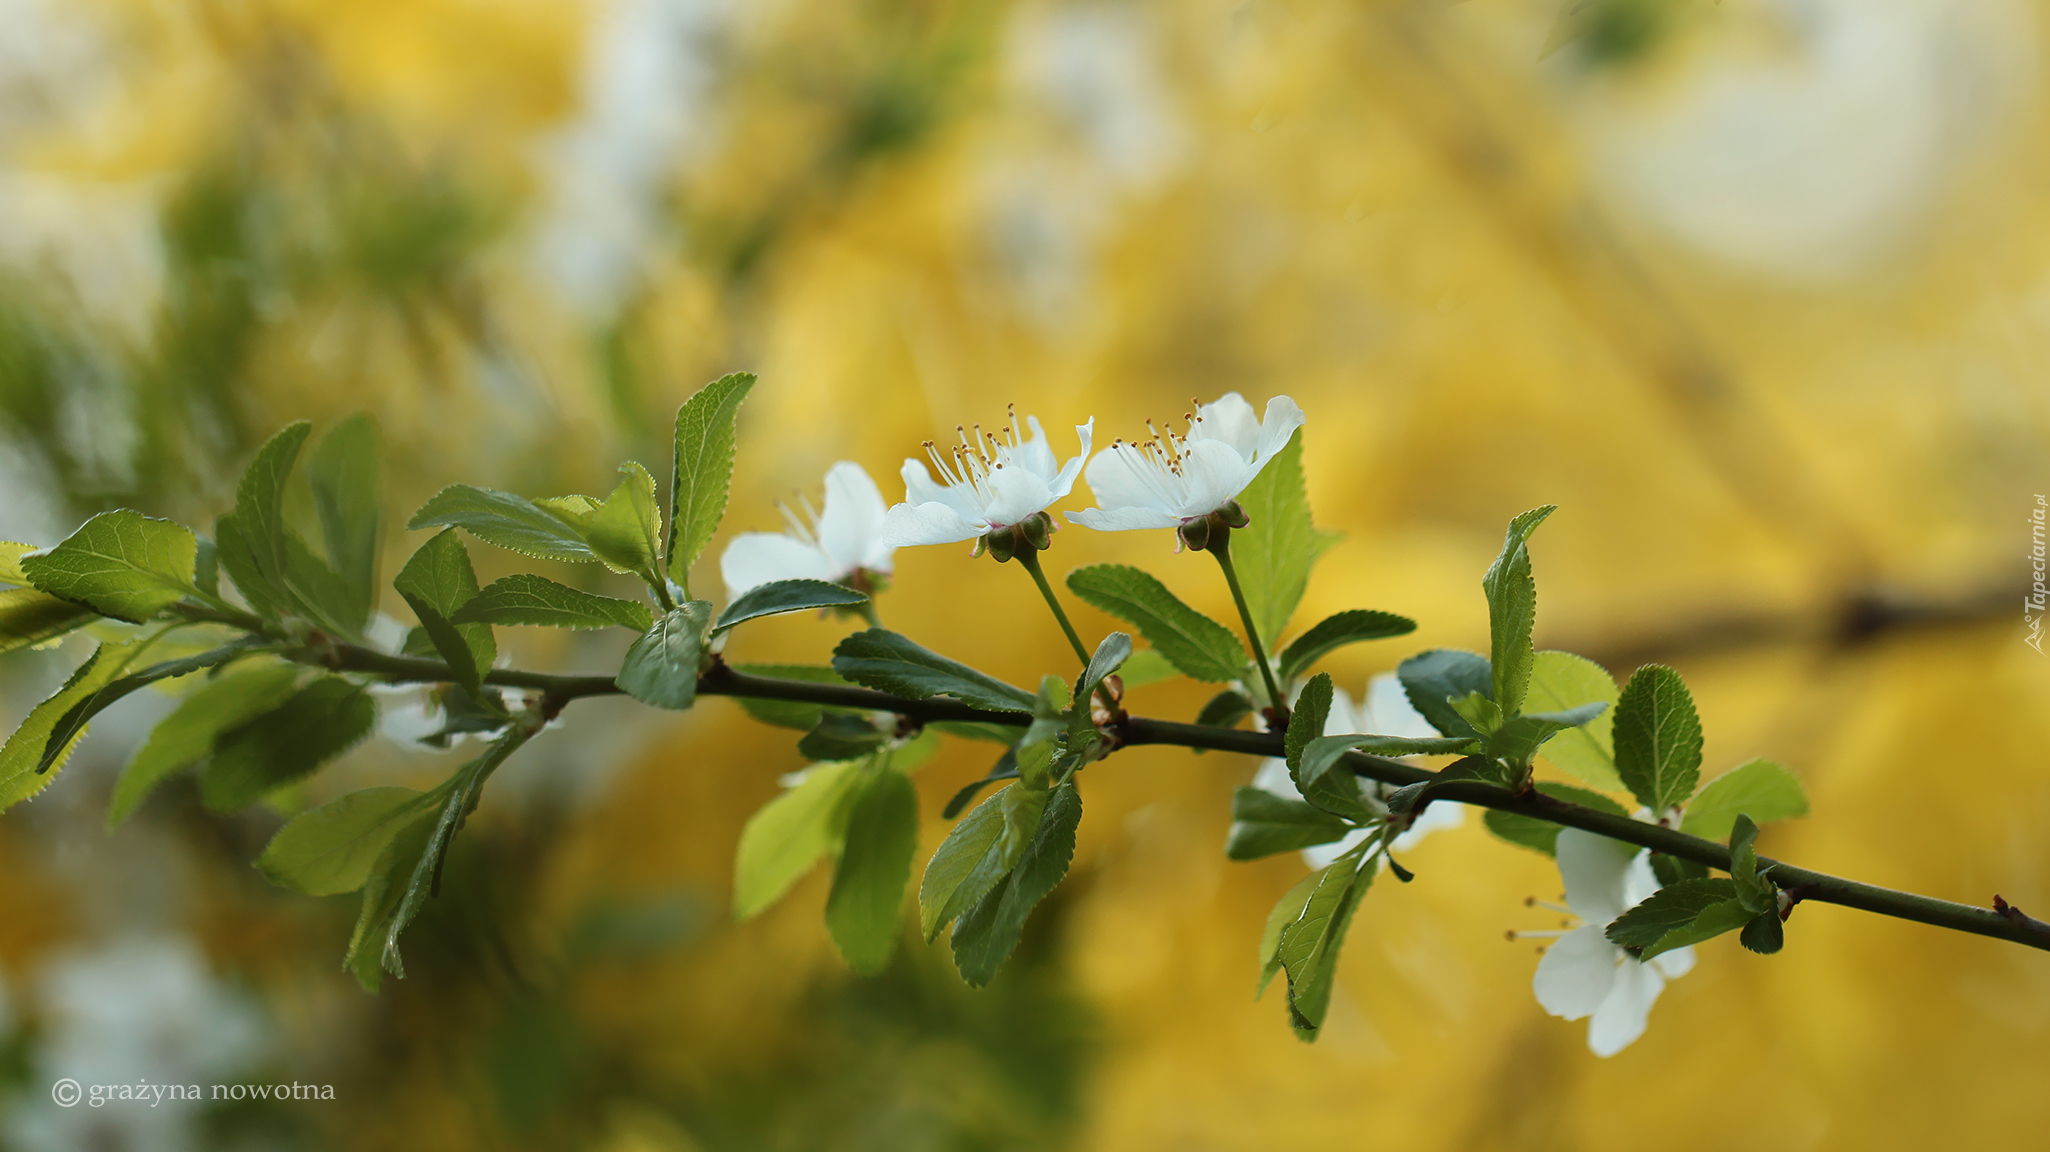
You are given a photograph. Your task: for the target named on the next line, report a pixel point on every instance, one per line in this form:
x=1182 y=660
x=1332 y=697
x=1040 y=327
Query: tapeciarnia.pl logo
x=2038 y=599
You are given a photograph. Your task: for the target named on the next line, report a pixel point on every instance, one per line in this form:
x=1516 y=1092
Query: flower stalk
x=1218 y=544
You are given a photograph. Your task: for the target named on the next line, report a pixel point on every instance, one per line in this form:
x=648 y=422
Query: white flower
x=1584 y=974
x=986 y=483
x=1385 y=712
x=1170 y=480
x=838 y=545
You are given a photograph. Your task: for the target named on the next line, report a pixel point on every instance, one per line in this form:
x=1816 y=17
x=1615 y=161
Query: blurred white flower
x=1584 y=974
x=838 y=544
x=1171 y=480
x=986 y=483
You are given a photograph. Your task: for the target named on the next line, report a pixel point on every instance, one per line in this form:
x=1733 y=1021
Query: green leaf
x=1309 y=947
x=29 y=617
x=437 y=583
x=19 y=778
x=1560 y=681
x=121 y=564
x=1764 y=789
x=1147 y=666
x=260 y=504
x=1264 y=824
x=383 y=894
x=187 y=735
x=11 y=552
x=1201 y=647
x=1433 y=679
x=511 y=522
x=1006 y=768
x=626 y=530
x=787 y=836
x=1678 y=915
x=233 y=554
x=537 y=600
x=1658 y=738
x=1274 y=552
x=1512 y=610
x=1225 y=710
x=661 y=668
x=883 y=660
x=977 y=854
x=1755 y=891
x=1322 y=756
x=313 y=726
x=1335 y=792
x=317 y=592
x=780 y=596
x=703 y=474
x=332 y=849
x=796 y=714
x=989 y=931
x=1337 y=631
x=345 y=475
x=976 y=730
x=1543 y=835
x=874 y=868
x=1519 y=737
x=1764 y=933
x=71 y=726
x=840 y=736
x=1480 y=713
x=1286 y=911
x=1110 y=655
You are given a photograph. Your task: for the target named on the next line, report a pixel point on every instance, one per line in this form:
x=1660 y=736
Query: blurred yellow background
x=1758 y=291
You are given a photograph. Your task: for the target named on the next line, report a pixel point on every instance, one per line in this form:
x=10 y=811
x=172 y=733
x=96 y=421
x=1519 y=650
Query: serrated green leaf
x=11 y=552
x=1274 y=552
x=1200 y=647
x=29 y=617
x=1337 y=631
x=1322 y=757
x=187 y=735
x=840 y=736
x=259 y=502
x=1560 y=681
x=1512 y=610
x=705 y=430
x=536 y=600
x=787 y=836
x=121 y=564
x=1543 y=835
x=71 y=726
x=345 y=475
x=1310 y=946
x=625 y=531
x=317 y=592
x=1335 y=792
x=1658 y=738
x=1480 y=713
x=797 y=714
x=1754 y=891
x=511 y=522
x=977 y=854
x=1519 y=737
x=874 y=869
x=24 y=750
x=1264 y=824
x=1111 y=654
x=1678 y=915
x=1763 y=789
x=1286 y=911
x=233 y=554
x=989 y=930
x=662 y=666
x=437 y=582
x=332 y=849
x=313 y=726
x=1147 y=666
x=880 y=659
x=1764 y=933
x=1433 y=679
x=1225 y=710
x=383 y=893
x=780 y=596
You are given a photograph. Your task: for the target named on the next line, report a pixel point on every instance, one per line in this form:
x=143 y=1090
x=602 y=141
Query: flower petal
x=1621 y=1018
x=1014 y=494
x=1282 y=419
x=1675 y=964
x=1389 y=712
x=1273 y=777
x=1064 y=483
x=1321 y=855
x=1228 y=420
x=1574 y=978
x=754 y=558
x=1594 y=868
x=1122 y=476
x=1439 y=816
x=1212 y=472
x=850 y=527
x=1035 y=452
x=1123 y=519
x=909 y=525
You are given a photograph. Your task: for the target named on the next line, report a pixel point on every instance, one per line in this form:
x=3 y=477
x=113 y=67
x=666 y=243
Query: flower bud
x=1231 y=515
x=1037 y=530
x=1195 y=533
x=1002 y=543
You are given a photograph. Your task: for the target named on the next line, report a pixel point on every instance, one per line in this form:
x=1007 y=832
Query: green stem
x=1029 y=558
x=1220 y=547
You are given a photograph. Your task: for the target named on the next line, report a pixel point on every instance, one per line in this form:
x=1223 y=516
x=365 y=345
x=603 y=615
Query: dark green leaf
x=1309 y=947
x=795 y=714
x=1006 y=768
x=662 y=666
x=333 y=848
x=1201 y=647
x=1432 y=680
x=1109 y=656
x=121 y=564
x=1323 y=756
x=1672 y=869
x=874 y=868
x=511 y=522
x=259 y=503
x=1765 y=790
x=840 y=737
x=977 y=730
x=1512 y=610
x=1264 y=824
x=187 y=735
x=1755 y=891
x=703 y=472
x=1225 y=710
x=317 y=592
x=1678 y=915
x=1542 y=835
x=1336 y=792
x=72 y=724
x=1519 y=737
x=883 y=660
x=29 y=617
x=537 y=600
x=787 y=596
x=977 y=854
x=345 y=476
x=232 y=551
x=316 y=724
x=437 y=582
x=1658 y=738
x=1560 y=682
x=625 y=531
x=1337 y=631
x=19 y=778
x=989 y=930
x=1764 y=933
x=787 y=836
x=1274 y=552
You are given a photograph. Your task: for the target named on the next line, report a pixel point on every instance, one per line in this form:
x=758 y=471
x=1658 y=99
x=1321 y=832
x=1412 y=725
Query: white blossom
x=986 y=483
x=1170 y=480
x=1583 y=974
x=836 y=545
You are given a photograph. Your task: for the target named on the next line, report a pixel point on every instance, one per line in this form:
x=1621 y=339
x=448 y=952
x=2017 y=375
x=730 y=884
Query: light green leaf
x=11 y=553
x=1519 y=737
x=1109 y=656
x=437 y=583
x=1658 y=738
x=1480 y=713
x=703 y=473
x=1433 y=679
x=29 y=617
x=121 y=564
x=71 y=725
x=1543 y=835
x=662 y=666
x=1560 y=681
x=787 y=836
x=626 y=530
x=511 y=522
x=883 y=660
x=317 y=592
x=1147 y=666
x=25 y=749
x=874 y=869
x=1512 y=610
x=313 y=726
x=346 y=478
x=1756 y=892
x=536 y=600
x=989 y=930
x=187 y=735
x=1763 y=789
x=259 y=503
x=333 y=848
x=1201 y=647
x=1274 y=552
x=1309 y=947
x=234 y=556
x=977 y=854
x=383 y=895
x=779 y=596
x=1286 y=911
x=1337 y=631
x=1264 y=824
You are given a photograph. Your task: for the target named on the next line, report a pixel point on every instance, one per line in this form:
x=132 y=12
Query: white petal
x=1621 y=1018
x=1342 y=719
x=754 y=558
x=1322 y=855
x=1035 y=453
x=1229 y=420
x=1014 y=494
x=1280 y=423
x=909 y=525
x=1593 y=868
x=1064 y=483
x=1675 y=964
x=1121 y=476
x=850 y=527
x=1273 y=777
x=1575 y=975
x=1639 y=882
x=1389 y=712
x=1213 y=472
x=1123 y=519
